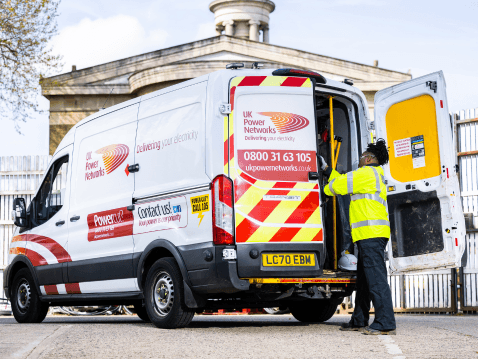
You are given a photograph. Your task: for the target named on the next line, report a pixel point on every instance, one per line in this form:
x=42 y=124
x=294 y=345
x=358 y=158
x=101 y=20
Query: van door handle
x=74 y=218
x=313 y=176
x=133 y=168
x=60 y=223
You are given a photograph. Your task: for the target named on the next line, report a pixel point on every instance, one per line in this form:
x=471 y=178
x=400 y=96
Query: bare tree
x=26 y=26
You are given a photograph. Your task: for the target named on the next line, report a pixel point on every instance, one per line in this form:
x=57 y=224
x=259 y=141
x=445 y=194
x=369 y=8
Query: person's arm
x=338 y=183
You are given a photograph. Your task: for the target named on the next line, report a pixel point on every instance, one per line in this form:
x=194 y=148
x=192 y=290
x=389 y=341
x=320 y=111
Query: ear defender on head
x=380 y=151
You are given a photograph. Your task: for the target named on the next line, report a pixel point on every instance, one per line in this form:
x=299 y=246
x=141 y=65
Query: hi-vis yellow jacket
x=368 y=206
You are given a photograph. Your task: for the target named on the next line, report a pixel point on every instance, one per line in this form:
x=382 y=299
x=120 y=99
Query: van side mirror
x=19 y=212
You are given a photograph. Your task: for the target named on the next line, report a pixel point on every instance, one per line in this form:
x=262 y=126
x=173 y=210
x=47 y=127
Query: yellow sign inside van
x=199 y=205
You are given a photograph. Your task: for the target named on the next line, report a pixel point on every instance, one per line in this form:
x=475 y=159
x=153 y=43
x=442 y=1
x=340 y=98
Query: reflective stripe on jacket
x=368 y=205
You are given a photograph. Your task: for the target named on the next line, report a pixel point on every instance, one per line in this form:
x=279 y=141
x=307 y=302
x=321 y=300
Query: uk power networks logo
x=286 y=122
x=113 y=156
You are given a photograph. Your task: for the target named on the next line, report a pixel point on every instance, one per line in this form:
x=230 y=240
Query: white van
x=206 y=195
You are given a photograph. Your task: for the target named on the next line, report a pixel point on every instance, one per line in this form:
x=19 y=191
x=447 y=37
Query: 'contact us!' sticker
x=170 y=213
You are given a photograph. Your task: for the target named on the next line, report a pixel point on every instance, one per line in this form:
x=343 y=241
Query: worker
x=370 y=231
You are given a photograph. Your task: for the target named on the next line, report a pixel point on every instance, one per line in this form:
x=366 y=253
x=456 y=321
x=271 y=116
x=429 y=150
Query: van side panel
x=172 y=188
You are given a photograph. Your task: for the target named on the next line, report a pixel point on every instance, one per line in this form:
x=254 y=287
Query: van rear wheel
x=26 y=304
x=314 y=310
x=164 y=296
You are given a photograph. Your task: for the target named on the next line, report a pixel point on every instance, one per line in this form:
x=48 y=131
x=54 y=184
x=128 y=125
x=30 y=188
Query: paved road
x=253 y=336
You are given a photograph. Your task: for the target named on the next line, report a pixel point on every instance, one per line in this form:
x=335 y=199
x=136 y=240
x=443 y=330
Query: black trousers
x=372 y=285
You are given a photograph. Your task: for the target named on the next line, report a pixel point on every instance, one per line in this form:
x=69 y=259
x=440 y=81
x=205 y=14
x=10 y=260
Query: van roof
x=225 y=75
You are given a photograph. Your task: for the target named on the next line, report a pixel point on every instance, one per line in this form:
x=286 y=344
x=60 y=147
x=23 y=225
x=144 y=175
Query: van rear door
x=426 y=217
x=272 y=148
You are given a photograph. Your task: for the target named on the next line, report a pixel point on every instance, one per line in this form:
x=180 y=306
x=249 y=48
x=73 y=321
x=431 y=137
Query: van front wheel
x=314 y=310
x=26 y=304
x=164 y=296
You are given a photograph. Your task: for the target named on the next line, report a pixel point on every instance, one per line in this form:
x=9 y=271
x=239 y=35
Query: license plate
x=288 y=260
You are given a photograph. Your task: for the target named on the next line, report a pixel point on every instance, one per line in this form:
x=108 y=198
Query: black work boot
x=371 y=331
x=348 y=327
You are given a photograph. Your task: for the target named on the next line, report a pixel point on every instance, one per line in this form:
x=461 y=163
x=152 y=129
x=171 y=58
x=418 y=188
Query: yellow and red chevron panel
x=259 y=220
x=276 y=221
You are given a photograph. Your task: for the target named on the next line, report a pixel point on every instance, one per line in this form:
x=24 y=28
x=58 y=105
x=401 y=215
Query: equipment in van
x=207 y=195
x=348 y=262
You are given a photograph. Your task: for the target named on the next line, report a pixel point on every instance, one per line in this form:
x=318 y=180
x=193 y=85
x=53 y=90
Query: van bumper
x=208 y=272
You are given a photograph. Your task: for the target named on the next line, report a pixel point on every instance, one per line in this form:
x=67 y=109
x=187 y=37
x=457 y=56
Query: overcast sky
x=420 y=35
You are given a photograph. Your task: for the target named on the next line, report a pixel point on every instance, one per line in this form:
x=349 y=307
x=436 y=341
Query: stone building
x=242 y=29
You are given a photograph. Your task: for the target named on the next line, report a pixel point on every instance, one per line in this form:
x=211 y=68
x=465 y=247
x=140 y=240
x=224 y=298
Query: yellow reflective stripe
x=232 y=169
x=231 y=124
x=305 y=235
x=263 y=234
x=273 y=81
x=307 y=83
x=239 y=219
x=226 y=138
x=265 y=184
x=305 y=185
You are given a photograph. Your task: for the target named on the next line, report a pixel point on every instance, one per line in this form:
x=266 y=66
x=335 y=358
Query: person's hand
x=322 y=164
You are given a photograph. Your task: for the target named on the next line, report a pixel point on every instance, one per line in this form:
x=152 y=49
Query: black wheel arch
x=157 y=249
x=19 y=262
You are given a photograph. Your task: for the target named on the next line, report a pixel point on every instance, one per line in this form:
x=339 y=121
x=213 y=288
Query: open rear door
x=426 y=216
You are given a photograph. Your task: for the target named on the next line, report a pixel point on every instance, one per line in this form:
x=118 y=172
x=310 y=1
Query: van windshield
x=275 y=136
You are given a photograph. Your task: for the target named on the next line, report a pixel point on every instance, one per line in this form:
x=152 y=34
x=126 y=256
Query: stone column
x=229 y=25
x=241 y=29
x=254 y=30
x=265 y=34
x=219 y=30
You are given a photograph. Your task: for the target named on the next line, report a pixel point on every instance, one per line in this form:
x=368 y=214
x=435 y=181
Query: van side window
x=50 y=197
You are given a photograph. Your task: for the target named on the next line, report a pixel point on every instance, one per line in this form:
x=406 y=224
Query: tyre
x=164 y=298
x=314 y=311
x=140 y=311
x=26 y=304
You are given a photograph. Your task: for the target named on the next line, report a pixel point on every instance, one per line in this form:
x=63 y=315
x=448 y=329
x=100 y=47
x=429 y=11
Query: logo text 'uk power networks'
x=286 y=122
